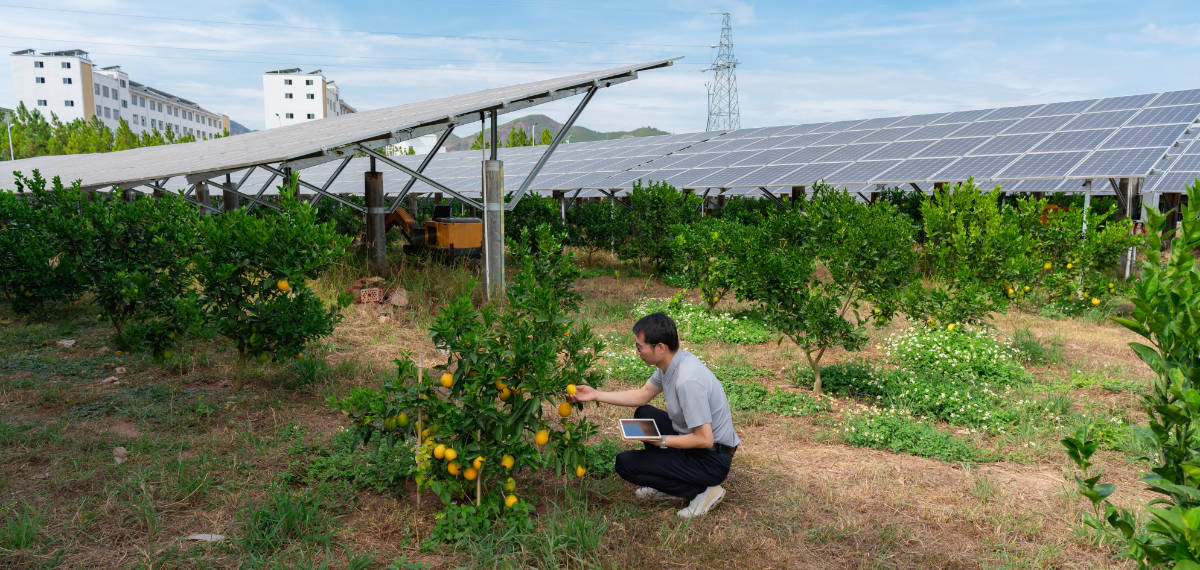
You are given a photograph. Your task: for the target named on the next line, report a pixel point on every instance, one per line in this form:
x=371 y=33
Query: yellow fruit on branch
x=451 y=455
x=571 y=389
x=470 y=473
x=452 y=469
x=564 y=409
x=283 y=285
x=499 y=385
x=478 y=463
x=507 y=462
x=1095 y=301
x=510 y=500
x=447 y=380
x=542 y=437
x=510 y=485
x=505 y=393
x=439 y=451
x=580 y=471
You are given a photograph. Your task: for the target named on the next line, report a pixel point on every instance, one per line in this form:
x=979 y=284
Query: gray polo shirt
x=695 y=397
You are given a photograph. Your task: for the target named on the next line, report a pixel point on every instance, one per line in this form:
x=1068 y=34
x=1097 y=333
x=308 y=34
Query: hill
x=534 y=124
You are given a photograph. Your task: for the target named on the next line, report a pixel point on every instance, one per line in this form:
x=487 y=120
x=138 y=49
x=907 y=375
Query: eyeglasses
x=637 y=346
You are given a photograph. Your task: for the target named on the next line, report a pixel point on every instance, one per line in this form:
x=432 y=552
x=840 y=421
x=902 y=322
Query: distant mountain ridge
x=534 y=124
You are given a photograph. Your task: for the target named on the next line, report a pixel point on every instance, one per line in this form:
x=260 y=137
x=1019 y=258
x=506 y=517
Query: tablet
x=639 y=429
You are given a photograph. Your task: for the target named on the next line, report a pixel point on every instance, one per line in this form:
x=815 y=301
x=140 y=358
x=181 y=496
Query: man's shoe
x=703 y=502
x=652 y=494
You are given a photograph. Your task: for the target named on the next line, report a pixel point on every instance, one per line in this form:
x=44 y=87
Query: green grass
x=286 y=516
x=22 y=527
x=1033 y=350
x=696 y=324
x=896 y=430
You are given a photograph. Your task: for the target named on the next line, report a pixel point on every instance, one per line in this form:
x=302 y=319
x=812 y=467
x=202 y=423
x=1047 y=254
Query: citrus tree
x=254 y=272
x=809 y=270
x=597 y=226
x=702 y=257
x=137 y=257
x=1167 y=315
x=38 y=237
x=657 y=209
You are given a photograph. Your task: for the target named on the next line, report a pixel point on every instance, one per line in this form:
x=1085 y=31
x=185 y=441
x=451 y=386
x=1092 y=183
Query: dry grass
x=798 y=497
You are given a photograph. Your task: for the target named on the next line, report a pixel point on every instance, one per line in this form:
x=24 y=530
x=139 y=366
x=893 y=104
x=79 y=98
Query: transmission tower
x=723 y=113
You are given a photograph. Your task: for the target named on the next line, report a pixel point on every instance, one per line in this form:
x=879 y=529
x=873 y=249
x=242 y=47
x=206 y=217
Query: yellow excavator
x=452 y=237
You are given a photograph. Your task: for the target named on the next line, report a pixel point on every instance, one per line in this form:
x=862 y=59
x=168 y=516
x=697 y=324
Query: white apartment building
x=68 y=84
x=291 y=96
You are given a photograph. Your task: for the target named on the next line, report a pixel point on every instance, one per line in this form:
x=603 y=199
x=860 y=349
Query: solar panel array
x=1048 y=147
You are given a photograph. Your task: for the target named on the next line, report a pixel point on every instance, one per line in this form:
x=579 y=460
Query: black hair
x=656 y=328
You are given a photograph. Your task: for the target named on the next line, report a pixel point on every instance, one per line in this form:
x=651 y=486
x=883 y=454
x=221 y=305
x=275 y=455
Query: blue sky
x=800 y=62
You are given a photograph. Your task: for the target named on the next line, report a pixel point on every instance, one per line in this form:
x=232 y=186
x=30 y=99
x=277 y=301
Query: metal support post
x=493 y=228
x=229 y=196
x=560 y=197
x=127 y=195
x=797 y=193
x=202 y=196
x=1131 y=188
x=562 y=133
x=376 y=237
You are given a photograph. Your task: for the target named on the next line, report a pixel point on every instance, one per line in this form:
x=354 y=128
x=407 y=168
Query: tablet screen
x=639 y=429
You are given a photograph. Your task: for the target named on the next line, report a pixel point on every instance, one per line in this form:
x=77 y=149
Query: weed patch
x=696 y=324
x=895 y=430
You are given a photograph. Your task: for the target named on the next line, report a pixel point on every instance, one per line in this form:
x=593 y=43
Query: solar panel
x=723 y=177
x=742 y=133
x=802 y=129
x=836 y=126
x=800 y=141
x=1075 y=140
x=703 y=146
x=765 y=175
x=902 y=149
x=984 y=128
x=1012 y=112
x=1166 y=115
x=919 y=120
x=844 y=137
x=1007 y=144
x=1133 y=137
x=962 y=116
x=764 y=143
x=1126 y=102
x=1038 y=124
x=1173 y=181
x=951 y=147
x=1178 y=97
x=809 y=154
x=1099 y=120
x=1044 y=165
x=694 y=160
x=1186 y=162
x=727 y=159
x=767 y=156
x=914 y=170
x=809 y=173
x=686 y=178
x=887 y=135
x=1118 y=163
x=1064 y=108
x=774 y=131
x=877 y=123
x=668 y=160
x=931 y=132
x=979 y=167
x=738 y=144
x=668 y=175
x=863 y=171
x=852 y=152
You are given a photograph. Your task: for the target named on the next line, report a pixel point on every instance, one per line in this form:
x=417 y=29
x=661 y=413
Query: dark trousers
x=680 y=472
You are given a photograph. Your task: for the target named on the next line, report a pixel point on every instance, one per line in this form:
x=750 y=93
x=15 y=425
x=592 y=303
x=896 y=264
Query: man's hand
x=583 y=393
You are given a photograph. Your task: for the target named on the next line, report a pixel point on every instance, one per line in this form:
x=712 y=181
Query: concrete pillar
x=376 y=211
x=797 y=193
x=202 y=196
x=229 y=200
x=126 y=195
x=559 y=196
x=493 y=228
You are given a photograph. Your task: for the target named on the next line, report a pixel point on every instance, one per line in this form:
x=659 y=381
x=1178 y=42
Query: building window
x=66 y=65
x=122 y=84
x=312 y=116
x=287 y=81
x=68 y=103
x=41 y=102
x=116 y=113
x=287 y=95
x=309 y=96
x=143 y=121
x=124 y=103
x=142 y=101
x=308 y=82
x=98 y=109
x=97 y=88
x=107 y=113
x=66 y=81
x=39 y=79
x=104 y=90
x=39 y=64
x=288 y=116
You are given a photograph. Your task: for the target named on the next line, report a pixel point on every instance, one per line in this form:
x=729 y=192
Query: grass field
x=258 y=464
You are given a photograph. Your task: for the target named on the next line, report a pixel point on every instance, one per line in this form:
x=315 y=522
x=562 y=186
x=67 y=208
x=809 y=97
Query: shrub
x=751 y=397
x=702 y=258
x=39 y=260
x=745 y=211
x=959 y=353
x=345 y=220
x=850 y=378
x=698 y=325
x=658 y=208
x=896 y=430
x=255 y=272
x=598 y=226
x=532 y=211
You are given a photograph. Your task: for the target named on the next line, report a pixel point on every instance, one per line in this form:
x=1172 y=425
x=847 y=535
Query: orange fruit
x=564 y=409
x=470 y=473
x=510 y=485
x=452 y=468
x=571 y=389
x=580 y=471
x=283 y=285
x=451 y=455
x=542 y=437
x=499 y=385
x=507 y=462
x=505 y=393
x=1095 y=301
x=510 y=500
x=439 y=451
x=478 y=463
x=447 y=380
